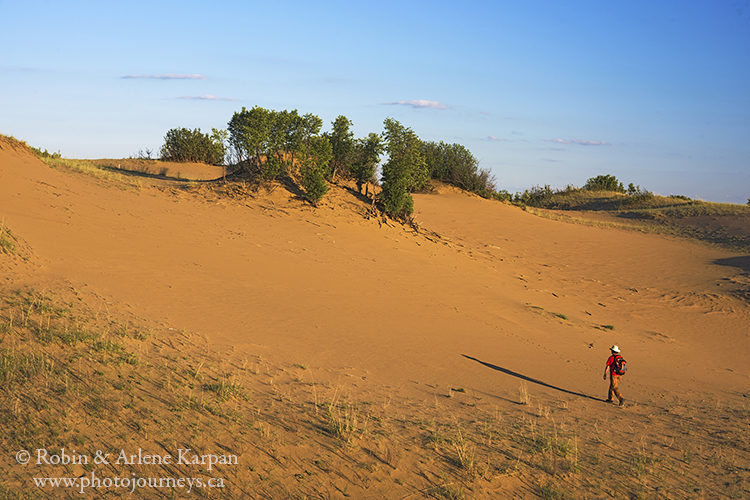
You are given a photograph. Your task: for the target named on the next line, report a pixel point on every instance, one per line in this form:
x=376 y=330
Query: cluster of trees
x=269 y=144
x=183 y=145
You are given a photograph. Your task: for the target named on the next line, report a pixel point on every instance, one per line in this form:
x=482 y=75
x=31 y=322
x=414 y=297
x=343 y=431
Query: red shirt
x=611 y=363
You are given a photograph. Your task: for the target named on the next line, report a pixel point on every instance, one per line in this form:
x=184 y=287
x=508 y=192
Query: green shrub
x=604 y=183
x=405 y=170
x=502 y=195
x=454 y=164
x=537 y=196
x=366 y=155
x=317 y=154
x=184 y=145
x=342 y=144
x=45 y=154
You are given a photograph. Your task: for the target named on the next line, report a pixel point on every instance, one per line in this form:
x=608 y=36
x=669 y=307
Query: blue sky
x=553 y=92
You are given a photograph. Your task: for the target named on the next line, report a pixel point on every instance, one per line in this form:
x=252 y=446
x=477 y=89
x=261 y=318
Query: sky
x=542 y=92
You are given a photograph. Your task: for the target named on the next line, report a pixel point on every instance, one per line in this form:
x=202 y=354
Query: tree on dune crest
x=365 y=158
x=316 y=158
x=249 y=132
x=404 y=172
x=342 y=145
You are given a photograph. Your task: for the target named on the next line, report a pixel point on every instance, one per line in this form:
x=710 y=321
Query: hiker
x=616 y=367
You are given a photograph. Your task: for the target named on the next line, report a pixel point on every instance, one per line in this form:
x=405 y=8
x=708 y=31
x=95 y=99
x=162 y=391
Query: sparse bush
x=45 y=154
x=454 y=164
x=144 y=154
x=637 y=195
x=537 y=196
x=502 y=195
x=604 y=183
x=184 y=145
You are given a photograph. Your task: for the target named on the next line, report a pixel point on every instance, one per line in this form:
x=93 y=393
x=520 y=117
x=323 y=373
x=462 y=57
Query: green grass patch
x=17 y=367
x=66 y=336
x=7 y=241
x=226 y=389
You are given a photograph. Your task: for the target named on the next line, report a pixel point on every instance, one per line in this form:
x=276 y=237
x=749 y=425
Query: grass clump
x=226 y=389
x=551 y=491
x=7 y=240
x=465 y=452
x=344 y=422
x=18 y=367
x=66 y=336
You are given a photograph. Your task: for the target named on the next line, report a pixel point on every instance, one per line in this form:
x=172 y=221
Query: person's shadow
x=529 y=379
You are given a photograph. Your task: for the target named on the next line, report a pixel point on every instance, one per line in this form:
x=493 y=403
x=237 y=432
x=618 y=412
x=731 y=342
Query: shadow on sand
x=138 y=173
x=738 y=262
x=529 y=379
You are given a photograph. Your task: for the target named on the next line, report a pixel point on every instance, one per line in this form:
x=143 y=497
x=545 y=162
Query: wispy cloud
x=206 y=97
x=166 y=76
x=580 y=142
x=492 y=138
x=419 y=104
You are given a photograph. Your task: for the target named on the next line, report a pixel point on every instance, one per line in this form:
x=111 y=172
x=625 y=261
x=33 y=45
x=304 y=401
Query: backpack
x=619 y=366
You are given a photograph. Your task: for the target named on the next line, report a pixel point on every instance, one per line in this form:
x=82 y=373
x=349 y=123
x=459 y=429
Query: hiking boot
x=607 y=400
x=622 y=402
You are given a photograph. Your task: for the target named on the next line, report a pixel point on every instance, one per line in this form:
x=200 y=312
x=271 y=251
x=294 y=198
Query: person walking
x=616 y=368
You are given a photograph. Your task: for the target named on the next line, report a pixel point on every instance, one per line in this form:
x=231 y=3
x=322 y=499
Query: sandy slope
x=380 y=305
x=326 y=285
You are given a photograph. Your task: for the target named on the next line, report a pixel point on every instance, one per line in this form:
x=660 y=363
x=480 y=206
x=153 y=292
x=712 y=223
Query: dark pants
x=614 y=383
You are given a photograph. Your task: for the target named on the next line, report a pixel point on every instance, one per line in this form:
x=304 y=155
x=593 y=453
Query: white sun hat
x=614 y=348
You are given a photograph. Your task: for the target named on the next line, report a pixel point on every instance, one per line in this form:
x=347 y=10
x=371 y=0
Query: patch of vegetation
x=640 y=209
x=185 y=145
x=89 y=167
x=365 y=156
x=19 y=367
x=552 y=491
x=44 y=154
x=344 y=421
x=226 y=388
x=404 y=172
x=454 y=164
x=314 y=165
x=604 y=183
x=7 y=240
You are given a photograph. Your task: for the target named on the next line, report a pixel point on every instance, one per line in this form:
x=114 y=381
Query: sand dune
x=481 y=297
